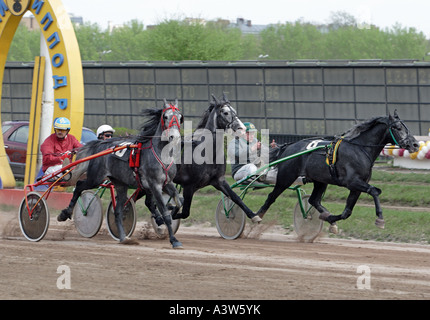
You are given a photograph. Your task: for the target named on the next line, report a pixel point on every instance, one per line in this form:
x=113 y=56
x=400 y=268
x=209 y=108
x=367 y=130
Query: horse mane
x=361 y=127
x=204 y=120
x=94 y=146
x=148 y=129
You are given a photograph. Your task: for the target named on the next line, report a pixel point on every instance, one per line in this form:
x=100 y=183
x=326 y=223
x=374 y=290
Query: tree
x=25 y=45
x=127 y=43
x=181 y=40
x=292 y=41
x=92 y=41
x=193 y=39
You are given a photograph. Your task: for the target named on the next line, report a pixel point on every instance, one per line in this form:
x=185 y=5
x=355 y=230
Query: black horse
x=350 y=165
x=153 y=171
x=196 y=170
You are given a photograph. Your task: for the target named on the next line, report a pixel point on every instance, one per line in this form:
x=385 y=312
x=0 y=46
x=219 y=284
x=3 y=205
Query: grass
x=401 y=192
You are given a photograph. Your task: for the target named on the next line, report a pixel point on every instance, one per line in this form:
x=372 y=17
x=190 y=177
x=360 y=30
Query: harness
x=331 y=157
x=332 y=149
x=134 y=159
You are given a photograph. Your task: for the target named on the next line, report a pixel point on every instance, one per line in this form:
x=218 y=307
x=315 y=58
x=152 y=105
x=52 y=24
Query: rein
x=134 y=160
x=378 y=145
x=332 y=149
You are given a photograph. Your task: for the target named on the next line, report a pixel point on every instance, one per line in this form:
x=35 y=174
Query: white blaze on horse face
x=233 y=119
x=172 y=123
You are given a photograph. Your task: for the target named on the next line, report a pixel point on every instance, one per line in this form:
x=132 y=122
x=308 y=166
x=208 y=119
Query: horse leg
x=121 y=199
x=188 y=198
x=350 y=204
x=150 y=204
x=158 y=196
x=171 y=190
x=270 y=199
x=67 y=212
x=225 y=188
x=374 y=192
x=315 y=199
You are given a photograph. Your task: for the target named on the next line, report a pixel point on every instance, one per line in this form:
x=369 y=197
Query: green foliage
x=179 y=40
x=25 y=45
x=182 y=39
x=92 y=41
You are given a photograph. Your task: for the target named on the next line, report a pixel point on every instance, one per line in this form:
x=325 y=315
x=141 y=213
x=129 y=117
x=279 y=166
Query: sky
x=382 y=13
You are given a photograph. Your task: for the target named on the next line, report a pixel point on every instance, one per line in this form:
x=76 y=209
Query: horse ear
x=165 y=101
x=224 y=97
x=176 y=102
x=395 y=114
x=215 y=99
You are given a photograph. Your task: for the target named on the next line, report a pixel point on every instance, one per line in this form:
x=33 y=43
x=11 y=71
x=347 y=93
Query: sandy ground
x=264 y=265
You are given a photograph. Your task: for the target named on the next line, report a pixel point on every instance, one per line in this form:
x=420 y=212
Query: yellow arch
x=63 y=48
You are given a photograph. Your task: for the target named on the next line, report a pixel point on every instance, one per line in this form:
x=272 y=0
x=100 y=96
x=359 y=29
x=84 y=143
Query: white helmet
x=104 y=128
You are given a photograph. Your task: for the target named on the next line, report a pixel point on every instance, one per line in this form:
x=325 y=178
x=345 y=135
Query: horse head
x=226 y=115
x=171 y=119
x=401 y=135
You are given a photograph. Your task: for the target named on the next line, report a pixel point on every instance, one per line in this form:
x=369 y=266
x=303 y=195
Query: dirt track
x=262 y=266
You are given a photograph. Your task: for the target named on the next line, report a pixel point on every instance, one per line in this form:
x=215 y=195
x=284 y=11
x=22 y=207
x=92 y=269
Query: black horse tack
x=349 y=165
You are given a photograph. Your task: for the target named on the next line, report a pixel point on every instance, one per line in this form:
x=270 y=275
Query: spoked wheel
x=34 y=226
x=128 y=220
x=88 y=214
x=230 y=219
x=307 y=229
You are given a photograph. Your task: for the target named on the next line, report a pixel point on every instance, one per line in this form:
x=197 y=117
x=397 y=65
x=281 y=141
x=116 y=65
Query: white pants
x=250 y=168
x=53 y=169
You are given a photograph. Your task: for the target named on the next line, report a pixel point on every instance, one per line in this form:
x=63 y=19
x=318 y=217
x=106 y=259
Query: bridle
x=134 y=161
x=393 y=134
x=173 y=121
x=234 y=116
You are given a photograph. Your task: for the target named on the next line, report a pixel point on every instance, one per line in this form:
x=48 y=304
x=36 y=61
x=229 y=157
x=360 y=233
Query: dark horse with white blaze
x=198 y=171
x=355 y=155
x=154 y=172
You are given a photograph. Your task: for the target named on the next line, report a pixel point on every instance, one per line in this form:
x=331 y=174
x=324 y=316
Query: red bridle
x=174 y=121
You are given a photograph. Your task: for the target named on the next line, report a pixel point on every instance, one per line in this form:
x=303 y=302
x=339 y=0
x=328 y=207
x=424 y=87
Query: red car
x=15 y=136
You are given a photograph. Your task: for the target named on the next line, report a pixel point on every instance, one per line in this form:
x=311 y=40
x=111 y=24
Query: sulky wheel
x=34 y=226
x=310 y=227
x=128 y=220
x=88 y=214
x=230 y=219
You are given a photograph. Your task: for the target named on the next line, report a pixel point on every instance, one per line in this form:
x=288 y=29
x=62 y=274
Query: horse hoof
x=177 y=245
x=256 y=219
x=128 y=240
x=380 y=223
x=333 y=228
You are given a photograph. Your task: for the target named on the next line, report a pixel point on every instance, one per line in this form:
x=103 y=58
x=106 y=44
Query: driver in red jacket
x=56 y=149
